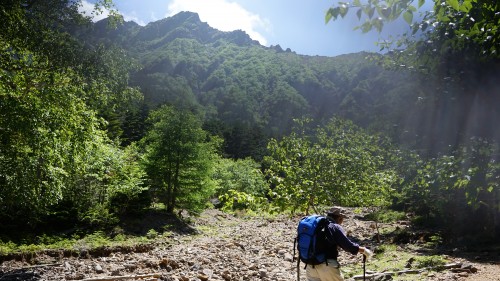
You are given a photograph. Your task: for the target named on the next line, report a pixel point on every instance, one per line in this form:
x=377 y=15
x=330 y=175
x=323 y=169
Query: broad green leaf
x=332 y=14
x=408 y=16
x=454 y=4
x=343 y=10
x=421 y=3
x=328 y=16
x=366 y=27
x=358 y=13
x=370 y=12
x=386 y=12
x=378 y=24
x=424 y=26
x=466 y=6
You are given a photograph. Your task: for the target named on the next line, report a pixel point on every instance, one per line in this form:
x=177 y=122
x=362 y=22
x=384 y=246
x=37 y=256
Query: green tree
x=295 y=169
x=179 y=158
x=42 y=27
x=241 y=184
x=99 y=175
x=51 y=147
x=335 y=164
x=241 y=175
x=459 y=191
x=44 y=124
x=52 y=142
x=454 y=47
x=47 y=29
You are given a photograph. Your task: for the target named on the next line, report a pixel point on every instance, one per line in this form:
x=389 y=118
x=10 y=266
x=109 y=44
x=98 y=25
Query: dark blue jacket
x=335 y=236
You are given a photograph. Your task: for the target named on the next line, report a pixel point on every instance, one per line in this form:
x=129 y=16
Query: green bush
x=386 y=216
x=236 y=200
x=7 y=247
x=99 y=217
x=94 y=240
x=152 y=234
x=385 y=248
x=241 y=175
x=430 y=261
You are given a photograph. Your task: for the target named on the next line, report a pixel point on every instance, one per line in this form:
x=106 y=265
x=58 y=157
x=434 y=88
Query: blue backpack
x=311 y=240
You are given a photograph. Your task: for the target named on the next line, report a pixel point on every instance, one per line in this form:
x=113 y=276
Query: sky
x=295 y=24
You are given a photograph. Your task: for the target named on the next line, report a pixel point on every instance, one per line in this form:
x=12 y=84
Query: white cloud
x=87 y=9
x=132 y=17
x=153 y=17
x=223 y=15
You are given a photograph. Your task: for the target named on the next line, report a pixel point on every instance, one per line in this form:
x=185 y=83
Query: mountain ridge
x=245 y=87
x=182 y=25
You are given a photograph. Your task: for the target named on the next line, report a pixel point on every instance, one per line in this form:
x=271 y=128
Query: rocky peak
x=155 y=34
x=189 y=25
x=240 y=38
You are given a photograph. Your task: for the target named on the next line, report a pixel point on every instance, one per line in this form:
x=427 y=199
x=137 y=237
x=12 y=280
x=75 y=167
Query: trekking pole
x=298 y=271
x=364 y=267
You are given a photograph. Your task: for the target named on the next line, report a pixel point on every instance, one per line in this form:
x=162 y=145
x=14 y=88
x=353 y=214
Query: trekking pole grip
x=364 y=267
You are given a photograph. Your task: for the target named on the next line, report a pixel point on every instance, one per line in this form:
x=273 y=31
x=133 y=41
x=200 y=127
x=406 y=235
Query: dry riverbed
x=225 y=248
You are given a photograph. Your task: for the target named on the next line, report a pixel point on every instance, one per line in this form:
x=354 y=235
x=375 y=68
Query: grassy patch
x=387 y=229
x=434 y=241
x=74 y=244
x=394 y=258
x=430 y=261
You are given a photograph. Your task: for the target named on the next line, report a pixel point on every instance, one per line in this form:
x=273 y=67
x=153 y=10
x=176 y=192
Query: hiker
x=335 y=236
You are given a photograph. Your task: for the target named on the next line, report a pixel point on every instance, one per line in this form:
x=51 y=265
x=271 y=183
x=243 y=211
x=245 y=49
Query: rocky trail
x=226 y=248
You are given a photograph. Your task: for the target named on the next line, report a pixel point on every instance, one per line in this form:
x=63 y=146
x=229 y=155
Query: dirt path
x=226 y=248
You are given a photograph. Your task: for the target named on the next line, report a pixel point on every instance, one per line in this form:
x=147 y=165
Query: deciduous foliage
x=241 y=184
x=53 y=149
x=334 y=164
x=101 y=174
x=67 y=106
x=454 y=40
x=179 y=158
x=455 y=46
x=242 y=175
x=467 y=25
x=44 y=126
x=44 y=28
x=459 y=188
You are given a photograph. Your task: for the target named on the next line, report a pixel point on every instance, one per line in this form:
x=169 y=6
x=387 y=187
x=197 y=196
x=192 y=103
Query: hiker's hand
x=368 y=254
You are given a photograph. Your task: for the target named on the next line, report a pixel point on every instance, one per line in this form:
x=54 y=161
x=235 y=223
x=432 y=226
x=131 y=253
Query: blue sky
x=295 y=24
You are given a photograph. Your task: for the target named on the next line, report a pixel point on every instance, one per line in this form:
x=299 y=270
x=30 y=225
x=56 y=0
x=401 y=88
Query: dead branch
x=124 y=277
x=40 y=265
x=452 y=266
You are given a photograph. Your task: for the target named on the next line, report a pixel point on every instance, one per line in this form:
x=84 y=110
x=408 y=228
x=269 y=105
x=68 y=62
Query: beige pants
x=323 y=272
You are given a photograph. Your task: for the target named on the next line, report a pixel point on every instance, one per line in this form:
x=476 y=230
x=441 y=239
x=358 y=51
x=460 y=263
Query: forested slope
x=249 y=93
x=244 y=86
x=102 y=120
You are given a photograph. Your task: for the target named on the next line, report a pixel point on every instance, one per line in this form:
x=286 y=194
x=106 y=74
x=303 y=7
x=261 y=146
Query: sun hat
x=336 y=211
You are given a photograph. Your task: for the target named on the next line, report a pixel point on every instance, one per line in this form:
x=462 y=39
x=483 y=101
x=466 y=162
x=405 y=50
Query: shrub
x=430 y=261
x=386 y=215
